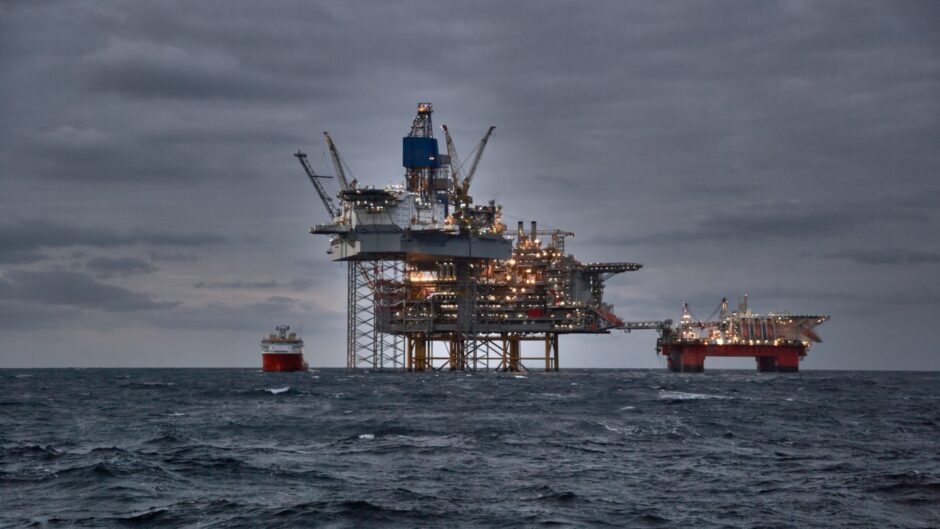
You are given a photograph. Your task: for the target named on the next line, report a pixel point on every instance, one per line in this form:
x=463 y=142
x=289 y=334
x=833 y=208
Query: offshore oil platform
x=436 y=281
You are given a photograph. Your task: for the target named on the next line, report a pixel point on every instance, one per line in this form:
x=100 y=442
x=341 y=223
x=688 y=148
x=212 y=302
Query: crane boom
x=452 y=154
x=476 y=160
x=315 y=180
x=337 y=162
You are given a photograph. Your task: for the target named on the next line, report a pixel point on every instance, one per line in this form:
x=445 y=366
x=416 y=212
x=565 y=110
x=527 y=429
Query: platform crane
x=454 y=160
x=337 y=163
x=328 y=203
x=462 y=185
x=465 y=187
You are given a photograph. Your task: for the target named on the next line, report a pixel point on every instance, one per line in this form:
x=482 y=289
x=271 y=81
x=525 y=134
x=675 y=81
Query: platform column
x=766 y=364
x=513 y=354
x=409 y=353
x=420 y=346
x=457 y=356
x=672 y=362
x=692 y=361
x=551 y=351
x=672 y=359
x=548 y=352
x=555 y=350
x=788 y=362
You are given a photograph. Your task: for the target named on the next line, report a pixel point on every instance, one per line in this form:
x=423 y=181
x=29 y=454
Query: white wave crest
x=681 y=395
x=278 y=391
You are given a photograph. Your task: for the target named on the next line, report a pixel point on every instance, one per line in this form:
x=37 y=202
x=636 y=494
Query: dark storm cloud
x=297 y=284
x=21 y=315
x=20 y=256
x=150 y=69
x=274 y=303
x=749 y=223
x=246 y=316
x=893 y=256
x=302 y=283
x=158 y=257
x=846 y=300
x=73 y=289
x=25 y=235
x=236 y=284
x=105 y=267
x=788 y=144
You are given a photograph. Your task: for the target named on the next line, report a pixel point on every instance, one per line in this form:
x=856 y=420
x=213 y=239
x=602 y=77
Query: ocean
x=576 y=448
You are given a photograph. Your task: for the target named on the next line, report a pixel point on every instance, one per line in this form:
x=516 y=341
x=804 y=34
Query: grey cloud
x=302 y=283
x=893 y=256
x=256 y=315
x=297 y=284
x=279 y=300
x=31 y=234
x=151 y=69
x=276 y=305
x=787 y=298
x=763 y=221
x=74 y=290
x=23 y=315
x=736 y=144
x=104 y=267
x=158 y=257
x=236 y=284
x=20 y=256
x=72 y=144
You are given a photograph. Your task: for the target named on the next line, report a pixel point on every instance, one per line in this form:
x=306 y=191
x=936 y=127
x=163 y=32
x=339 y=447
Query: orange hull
x=283 y=362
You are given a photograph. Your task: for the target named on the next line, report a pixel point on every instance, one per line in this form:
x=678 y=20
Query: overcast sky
x=152 y=214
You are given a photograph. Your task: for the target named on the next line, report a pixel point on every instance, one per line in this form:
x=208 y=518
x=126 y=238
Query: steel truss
x=499 y=352
x=367 y=347
x=379 y=285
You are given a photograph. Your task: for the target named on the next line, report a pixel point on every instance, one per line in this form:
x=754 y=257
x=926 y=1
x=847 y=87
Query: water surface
x=333 y=448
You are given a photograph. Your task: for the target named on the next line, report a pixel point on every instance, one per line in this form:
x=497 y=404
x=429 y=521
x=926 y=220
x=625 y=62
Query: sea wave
x=575 y=449
x=682 y=395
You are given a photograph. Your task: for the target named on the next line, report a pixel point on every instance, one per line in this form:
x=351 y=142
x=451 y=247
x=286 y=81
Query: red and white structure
x=283 y=351
x=776 y=341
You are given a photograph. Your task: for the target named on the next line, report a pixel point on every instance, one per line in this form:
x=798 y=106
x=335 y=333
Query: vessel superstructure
x=777 y=341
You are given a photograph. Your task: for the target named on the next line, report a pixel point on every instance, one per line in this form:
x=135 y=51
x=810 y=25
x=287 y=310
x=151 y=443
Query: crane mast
x=315 y=180
x=337 y=162
x=476 y=160
x=454 y=160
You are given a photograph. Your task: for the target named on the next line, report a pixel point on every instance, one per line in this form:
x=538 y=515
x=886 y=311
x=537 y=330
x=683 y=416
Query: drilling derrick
x=437 y=282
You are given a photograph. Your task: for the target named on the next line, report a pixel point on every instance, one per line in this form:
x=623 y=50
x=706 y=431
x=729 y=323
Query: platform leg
x=766 y=364
x=788 y=362
x=555 y=350
x=672 y=362
x=409 y=353
x=692 y=362
x=420 y=353
x=514 y=354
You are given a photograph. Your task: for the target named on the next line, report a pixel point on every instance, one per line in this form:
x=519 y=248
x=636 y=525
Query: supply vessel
x=776 y=341
x=282 y=351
